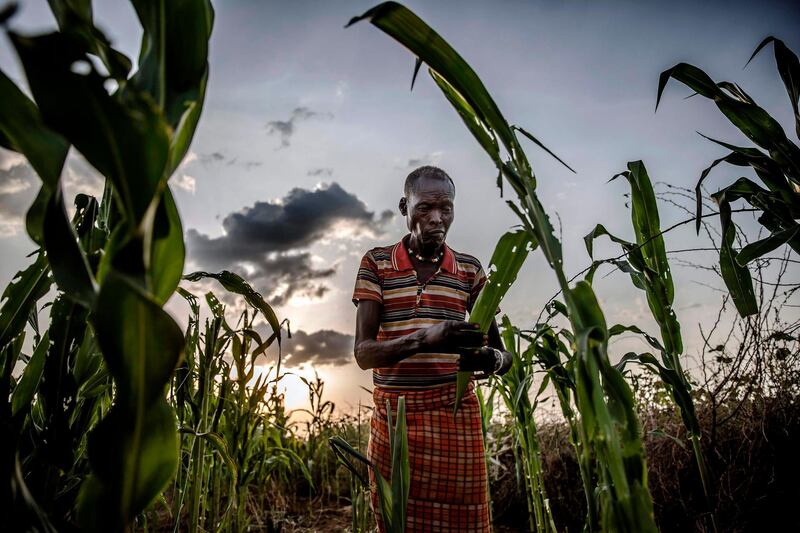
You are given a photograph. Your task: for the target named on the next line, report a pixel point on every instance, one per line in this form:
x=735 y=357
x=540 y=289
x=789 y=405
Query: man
x=412 y=299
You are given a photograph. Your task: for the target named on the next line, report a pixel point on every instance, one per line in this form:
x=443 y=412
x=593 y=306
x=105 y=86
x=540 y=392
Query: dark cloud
x=265 y=242
x=324 y=171
x=286 y=128
x=323 y=347
x=220 y=158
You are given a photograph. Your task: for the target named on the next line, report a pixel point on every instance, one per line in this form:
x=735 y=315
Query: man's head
x=428 y=205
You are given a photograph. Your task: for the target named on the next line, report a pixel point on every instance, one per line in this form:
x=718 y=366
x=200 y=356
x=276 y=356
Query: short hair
x=427 y=171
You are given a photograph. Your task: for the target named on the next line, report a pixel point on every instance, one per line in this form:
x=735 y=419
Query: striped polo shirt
x=387 y=276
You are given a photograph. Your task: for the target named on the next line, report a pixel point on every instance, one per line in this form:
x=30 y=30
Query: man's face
x=429 y=210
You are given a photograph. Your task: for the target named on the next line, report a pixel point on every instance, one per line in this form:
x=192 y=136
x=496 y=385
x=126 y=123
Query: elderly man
x=412 y=299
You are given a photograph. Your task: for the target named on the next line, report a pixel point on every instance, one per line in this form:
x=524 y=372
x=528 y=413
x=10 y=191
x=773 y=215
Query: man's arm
x=446 y=336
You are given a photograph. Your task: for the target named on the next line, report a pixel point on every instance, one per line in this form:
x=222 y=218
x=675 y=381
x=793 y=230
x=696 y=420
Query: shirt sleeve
x=368 y=282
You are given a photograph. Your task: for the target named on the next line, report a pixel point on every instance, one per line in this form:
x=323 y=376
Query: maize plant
x=775 y=160
x=514 y=388
x=608 y=426
x=647 y=264
x=114 y=267
x=392 y=495
x=234 y=436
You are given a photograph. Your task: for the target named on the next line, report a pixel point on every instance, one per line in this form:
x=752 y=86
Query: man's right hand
x=453 y=336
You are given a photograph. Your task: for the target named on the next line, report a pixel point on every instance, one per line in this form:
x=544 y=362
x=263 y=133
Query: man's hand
x=482 y=359
x=453 y=336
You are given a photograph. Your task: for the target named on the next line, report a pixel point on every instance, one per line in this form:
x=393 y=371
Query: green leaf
x=789 y=69
x=20 y=297
x=132 y=461
x=26 y=387
x=173 y=65
x=471 y=119
x=167 y=249
x=236 y=284
x=125 y=139
x=736 y=277
x=748 y=117
x=401 y=476
x=23 y=130
x=76 y=17
x=141 y=342
x=412 y=32
x=507 y=259
x=757 y=249
x=656 y=274
x=543 y=147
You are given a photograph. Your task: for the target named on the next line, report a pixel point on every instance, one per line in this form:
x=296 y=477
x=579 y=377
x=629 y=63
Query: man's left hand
x=478 y=359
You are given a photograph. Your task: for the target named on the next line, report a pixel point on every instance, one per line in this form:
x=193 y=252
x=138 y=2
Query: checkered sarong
x=448 y=474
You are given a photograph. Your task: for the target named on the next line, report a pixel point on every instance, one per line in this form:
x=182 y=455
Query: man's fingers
x=470 y=338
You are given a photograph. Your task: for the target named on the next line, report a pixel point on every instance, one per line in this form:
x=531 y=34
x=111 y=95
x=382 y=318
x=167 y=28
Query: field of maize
x=116 y=419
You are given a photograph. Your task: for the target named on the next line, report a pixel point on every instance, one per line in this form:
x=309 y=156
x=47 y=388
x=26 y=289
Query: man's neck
x=427 y=252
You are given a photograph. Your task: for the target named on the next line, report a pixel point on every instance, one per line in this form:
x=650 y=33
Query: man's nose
x=436 y=217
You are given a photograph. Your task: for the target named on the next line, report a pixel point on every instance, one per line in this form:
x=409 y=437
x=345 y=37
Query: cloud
x=185 y=181
x=18 y=186
x=286 y=128
x=432 y=158
x=324 y=171
x=220 y=158
x=323 y=347
x=266 y=242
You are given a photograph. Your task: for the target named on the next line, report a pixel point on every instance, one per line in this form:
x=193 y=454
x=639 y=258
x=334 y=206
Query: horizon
x=307 y=121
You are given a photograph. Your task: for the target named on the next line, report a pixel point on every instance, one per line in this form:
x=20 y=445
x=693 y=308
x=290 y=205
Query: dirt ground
x=337 y=520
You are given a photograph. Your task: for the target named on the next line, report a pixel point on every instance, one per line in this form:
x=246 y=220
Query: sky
x=309 y=130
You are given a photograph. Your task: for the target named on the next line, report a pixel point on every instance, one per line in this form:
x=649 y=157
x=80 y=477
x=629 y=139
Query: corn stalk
x=649 y=270
x=116 y=268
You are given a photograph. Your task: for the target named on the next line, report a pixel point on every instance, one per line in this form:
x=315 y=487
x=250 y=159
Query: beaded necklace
x=434 y=259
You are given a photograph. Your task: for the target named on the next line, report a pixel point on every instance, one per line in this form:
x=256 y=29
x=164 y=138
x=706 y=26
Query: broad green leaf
x=24 y=132
x=20 y=297
x=167 y=249
x=748 y=117
x=76 y=17
x=736 y=277
x=132 y=459
x=125 y=139
x=471 y=119
x=141 y=343
x=509 y=255
x=27 y=385
x=173 y=65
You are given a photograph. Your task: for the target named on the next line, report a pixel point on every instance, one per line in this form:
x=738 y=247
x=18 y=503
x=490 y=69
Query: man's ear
x=403 y=206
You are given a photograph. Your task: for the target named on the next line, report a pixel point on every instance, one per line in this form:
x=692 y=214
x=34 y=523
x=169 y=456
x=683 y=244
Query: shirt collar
x=402 y=261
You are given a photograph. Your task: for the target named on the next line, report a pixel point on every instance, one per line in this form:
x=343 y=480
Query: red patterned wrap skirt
x=448 y=490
